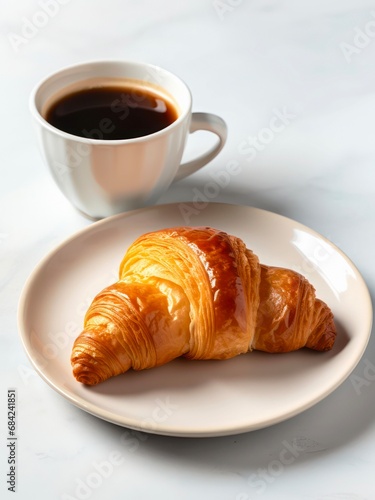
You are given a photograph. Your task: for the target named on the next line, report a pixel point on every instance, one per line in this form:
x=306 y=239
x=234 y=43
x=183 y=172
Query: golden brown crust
x=199 y=293
x=289 y=316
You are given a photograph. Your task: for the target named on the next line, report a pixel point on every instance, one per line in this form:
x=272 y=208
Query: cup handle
x=212 y=123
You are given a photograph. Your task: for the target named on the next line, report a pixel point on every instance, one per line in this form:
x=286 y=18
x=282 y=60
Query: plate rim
x=162 y=429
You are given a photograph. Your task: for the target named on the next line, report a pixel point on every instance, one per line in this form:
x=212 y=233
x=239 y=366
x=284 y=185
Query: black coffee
x=112 y=113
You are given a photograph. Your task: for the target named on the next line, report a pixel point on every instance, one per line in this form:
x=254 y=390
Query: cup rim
x=105 y=142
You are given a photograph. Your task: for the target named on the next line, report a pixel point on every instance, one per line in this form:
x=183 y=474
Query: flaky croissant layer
x=200 y=293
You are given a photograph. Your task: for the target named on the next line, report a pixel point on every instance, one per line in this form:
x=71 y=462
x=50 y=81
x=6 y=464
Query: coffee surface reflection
x=112 y=112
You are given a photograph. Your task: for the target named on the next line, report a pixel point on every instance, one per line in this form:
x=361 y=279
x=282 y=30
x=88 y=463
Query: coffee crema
x=112 y=112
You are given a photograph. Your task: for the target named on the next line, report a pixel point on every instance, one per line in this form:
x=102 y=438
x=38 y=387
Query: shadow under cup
x=103 y=177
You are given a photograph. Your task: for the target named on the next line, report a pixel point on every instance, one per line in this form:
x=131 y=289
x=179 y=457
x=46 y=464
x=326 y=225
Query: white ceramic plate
x=194 y=398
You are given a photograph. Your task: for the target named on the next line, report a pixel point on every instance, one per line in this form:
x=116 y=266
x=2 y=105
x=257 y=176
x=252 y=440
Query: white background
x=246 y=61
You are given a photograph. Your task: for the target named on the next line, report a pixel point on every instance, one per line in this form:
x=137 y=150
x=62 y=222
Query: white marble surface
x=312 y=62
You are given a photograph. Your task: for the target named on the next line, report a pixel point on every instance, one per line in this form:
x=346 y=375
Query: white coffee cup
x=103 y=177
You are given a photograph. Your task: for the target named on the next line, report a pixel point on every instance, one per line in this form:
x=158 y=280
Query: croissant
x=196 y=292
